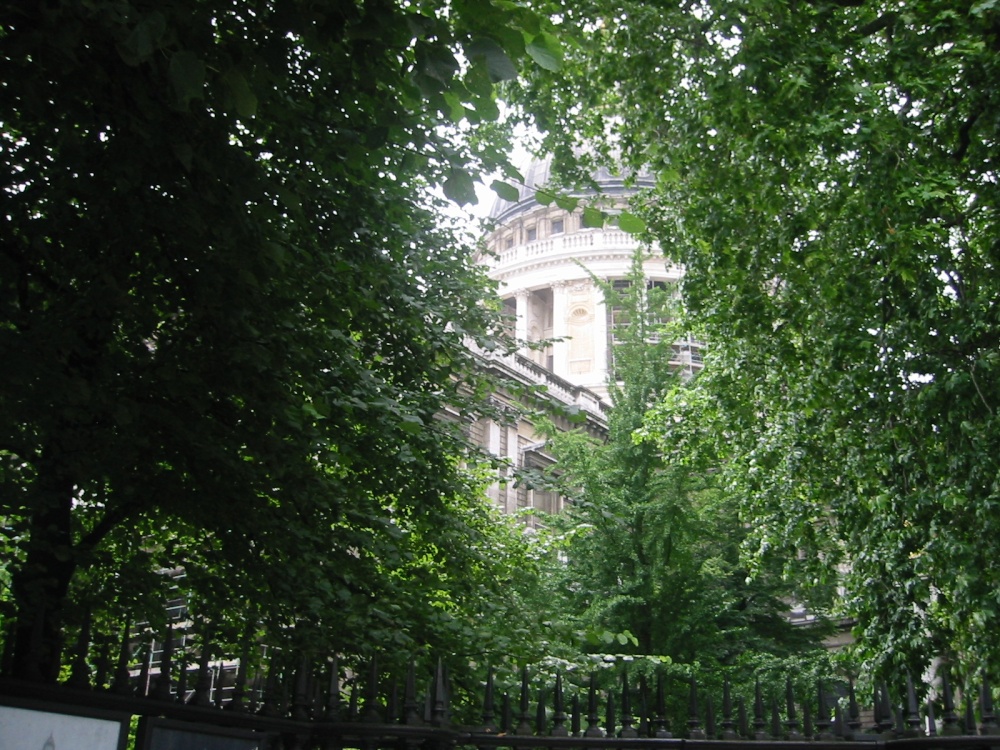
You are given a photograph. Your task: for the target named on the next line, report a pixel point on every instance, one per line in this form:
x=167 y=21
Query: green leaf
x=436 y=62
x=460 y=187
x=593 y=218
x=506 y=191
x=187 y=77
x=243 y=99
x=498 y=64
x=144 y=40
x=668 y=176
x=511 y=39
x=629 y=222
x=511 y=171
x=477 y=80
x=544 y=50
x=544 y=197
x=486 y=107
x=412 y=424
x=456 y=110
x=566 y=203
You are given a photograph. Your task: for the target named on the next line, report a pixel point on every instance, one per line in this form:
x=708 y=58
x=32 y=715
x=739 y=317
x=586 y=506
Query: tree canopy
x=649 y=544
x=231 y=315
x=827 y=174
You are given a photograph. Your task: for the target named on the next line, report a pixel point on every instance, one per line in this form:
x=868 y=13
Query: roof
x=538 y=174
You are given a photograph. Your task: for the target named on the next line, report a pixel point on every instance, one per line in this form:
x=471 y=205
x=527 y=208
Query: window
x=532 y=234
x=558 y=226
x=652 y=306
x=508 y=243
x=618 y=316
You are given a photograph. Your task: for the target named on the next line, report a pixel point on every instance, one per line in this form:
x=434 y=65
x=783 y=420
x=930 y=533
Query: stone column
x=601 y=360
x=560 y=328
x=521 y=324
x=514 y=458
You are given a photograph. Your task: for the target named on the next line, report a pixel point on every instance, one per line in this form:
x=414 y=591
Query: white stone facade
x=545 y=262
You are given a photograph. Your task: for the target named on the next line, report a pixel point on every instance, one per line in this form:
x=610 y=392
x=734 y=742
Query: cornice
x=505 y=273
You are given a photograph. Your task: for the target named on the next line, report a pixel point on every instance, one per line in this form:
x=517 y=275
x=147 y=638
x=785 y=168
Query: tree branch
x=965 y=135
x=972 y=372
x=841 y=3
x=885 y=21
x=103 y=527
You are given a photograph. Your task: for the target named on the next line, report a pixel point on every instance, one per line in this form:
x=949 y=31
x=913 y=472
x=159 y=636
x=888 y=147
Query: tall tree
x=650 y=545
x=230 y=316
x=827 y=173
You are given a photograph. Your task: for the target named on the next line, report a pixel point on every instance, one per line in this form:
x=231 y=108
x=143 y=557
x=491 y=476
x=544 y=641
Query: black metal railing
x=338 y=703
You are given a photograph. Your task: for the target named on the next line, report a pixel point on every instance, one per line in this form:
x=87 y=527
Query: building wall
x=548 y=285
x=546 y=262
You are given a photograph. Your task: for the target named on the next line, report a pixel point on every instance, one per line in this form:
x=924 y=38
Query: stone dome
x=538 y=174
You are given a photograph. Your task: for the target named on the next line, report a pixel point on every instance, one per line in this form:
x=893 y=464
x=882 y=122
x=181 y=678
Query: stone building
x=546 y=261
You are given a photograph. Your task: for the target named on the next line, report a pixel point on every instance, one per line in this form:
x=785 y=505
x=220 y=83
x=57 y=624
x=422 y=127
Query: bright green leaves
x=629 y=222
x=605 y=638
x=837 y=251
x=649 y=548
x=412 y=424
x=187 y=77
x=457 y=111
x=567 y=203
x=544 y=197
x=593 y=218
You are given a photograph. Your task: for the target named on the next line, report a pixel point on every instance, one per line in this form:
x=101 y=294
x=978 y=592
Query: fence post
x=989 y=719
x=759 y=723
x=661 y=721
x=728 y=727
x=203 y=685
x=791 y=722
x=411 y=708
x=489 y=726
x=559 y=714
x=628 y=730
x=853 y=713
x=949 y=720
x=695 y=731
x=913 y=728
x=593 y=718
x=79 y=677
x=524 y=720
x=119 y=684
x=161 y=691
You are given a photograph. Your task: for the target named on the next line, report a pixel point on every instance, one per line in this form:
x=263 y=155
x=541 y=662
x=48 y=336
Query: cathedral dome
x=538 y=174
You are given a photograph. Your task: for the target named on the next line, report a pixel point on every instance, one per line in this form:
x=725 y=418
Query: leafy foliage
x=231 y=317
x=827 y=175
x=649 y=547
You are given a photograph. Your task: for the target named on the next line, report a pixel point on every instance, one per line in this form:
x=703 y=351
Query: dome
x=538 y=174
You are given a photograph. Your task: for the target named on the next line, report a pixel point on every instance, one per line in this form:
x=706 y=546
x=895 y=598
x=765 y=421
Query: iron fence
x=325 y=704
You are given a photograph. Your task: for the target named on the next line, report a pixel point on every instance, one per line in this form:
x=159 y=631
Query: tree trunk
x=40 y=585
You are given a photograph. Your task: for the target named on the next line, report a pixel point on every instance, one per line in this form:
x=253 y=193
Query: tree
x=231 y=316
x=650 y=546
x=827 y=175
